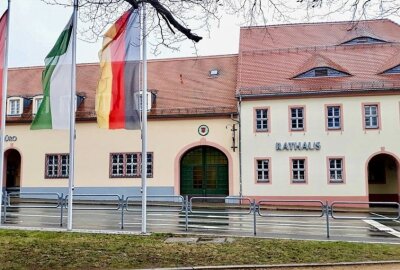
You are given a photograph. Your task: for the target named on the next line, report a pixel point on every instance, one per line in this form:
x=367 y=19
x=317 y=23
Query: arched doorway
x=383 y=178
x=12 y=164
x=204 y=172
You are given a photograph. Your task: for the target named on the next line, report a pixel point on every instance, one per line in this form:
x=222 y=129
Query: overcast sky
x=35 y=26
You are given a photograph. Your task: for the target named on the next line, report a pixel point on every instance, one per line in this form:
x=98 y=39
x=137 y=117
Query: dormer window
x=322 y=72
x=393 y=70
x=36 y=103
x=363 y=40
x=213 y=73
x=149 y=100
x=14 y=106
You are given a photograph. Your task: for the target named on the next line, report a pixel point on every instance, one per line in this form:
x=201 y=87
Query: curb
x=278 y=266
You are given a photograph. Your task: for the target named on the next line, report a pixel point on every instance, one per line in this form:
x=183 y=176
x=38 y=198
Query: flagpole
x=144 y=124
x=3 y=110
x=72 y=132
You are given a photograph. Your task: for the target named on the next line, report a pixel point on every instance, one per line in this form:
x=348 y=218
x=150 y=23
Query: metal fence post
x=398 y=211
x=62 y=209
x=122 y=203
x=4 y=203
x=327 y=212
x=255 y=208
x=186 y=213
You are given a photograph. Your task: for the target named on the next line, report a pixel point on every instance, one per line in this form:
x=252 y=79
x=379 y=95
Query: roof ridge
x=149 y=60
x=315 y=23
x=194 y=57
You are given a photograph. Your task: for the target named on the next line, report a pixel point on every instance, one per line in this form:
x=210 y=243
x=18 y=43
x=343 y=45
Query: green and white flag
x=54 y=111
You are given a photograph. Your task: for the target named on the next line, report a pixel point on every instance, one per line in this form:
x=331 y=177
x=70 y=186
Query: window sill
x=336 y=181
x=299 y=181
x=263 y=182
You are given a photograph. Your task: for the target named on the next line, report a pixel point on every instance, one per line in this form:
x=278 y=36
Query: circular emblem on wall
x=203 y=130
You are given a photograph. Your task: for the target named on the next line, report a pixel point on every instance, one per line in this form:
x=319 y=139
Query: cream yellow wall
x=166 y=138
x=355 y=144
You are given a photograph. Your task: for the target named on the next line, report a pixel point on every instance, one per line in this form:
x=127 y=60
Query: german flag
x=117 y=96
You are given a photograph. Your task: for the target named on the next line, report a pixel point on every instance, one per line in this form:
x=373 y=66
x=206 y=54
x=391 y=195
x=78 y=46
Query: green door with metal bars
x=204 y=172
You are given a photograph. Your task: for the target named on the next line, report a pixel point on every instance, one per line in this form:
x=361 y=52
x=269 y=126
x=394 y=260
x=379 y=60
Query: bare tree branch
x=172 y=21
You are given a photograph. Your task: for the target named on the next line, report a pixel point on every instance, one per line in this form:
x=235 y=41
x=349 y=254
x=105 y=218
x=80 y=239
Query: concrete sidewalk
x=389 y=265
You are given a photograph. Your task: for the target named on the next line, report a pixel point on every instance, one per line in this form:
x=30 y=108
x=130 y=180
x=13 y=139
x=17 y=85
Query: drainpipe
x=240 y=145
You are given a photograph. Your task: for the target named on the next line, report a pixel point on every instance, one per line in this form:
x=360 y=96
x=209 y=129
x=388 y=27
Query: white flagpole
x=3 y=111
x=72 y=134
x=144 y=124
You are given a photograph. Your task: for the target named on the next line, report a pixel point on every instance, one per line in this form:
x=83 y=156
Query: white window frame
x=297 y=119
x=20 y=102
x=35 y=105
x=261 y=118
x=139 y=100
x=56 y=166
x=150 y=160
x=263 y=166
x=336 y=118
x=132 y=166
x=124 y=161
x=336 y=172
x=369 y=116
x=297 y=171
x=117 y=165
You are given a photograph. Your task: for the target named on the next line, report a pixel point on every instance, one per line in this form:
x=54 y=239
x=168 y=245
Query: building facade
x=191 y=150
x=296 y=114
x=321 y=112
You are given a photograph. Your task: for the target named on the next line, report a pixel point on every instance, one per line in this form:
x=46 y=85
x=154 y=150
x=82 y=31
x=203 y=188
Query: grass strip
x=61 y=250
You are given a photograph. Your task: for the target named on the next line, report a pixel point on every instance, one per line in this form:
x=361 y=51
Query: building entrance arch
x=383 y=178
x=12 y=166
x=204 y=171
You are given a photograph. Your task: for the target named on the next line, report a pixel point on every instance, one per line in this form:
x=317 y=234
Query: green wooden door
x=204 y=172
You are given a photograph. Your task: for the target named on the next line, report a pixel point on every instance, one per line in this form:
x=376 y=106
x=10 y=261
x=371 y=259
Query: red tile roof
x=271 y=56
x=314 y=34
x=183 y=86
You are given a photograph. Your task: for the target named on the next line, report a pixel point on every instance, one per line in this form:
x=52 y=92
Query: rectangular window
x=36 y=105
x=132 y=164
x=128 y=165
x=297 y=118
x=263 y=170
x=149 y=164
x=335 y=170
x=117 y=165
x=57 y=166
x=333 y=117
x=261 y=119
x=15 y=107
x=139 y=100
x=298 y=170
x=371 y=116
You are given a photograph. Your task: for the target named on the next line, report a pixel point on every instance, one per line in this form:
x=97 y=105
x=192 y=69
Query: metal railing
x=53 y=200
x=205 y=213
x=363 y=204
